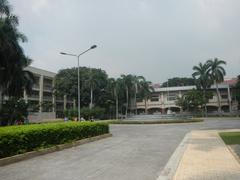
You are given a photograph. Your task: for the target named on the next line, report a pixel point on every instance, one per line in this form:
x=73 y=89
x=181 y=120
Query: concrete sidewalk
x=207 y=157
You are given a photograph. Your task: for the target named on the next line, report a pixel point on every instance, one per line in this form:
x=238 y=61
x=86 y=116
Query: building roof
x=185 y=88
x=40 y=72
x=178 y=88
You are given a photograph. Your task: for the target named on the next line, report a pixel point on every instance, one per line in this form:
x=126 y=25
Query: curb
x=146 y=122
x=32 y=154
x=170 y=168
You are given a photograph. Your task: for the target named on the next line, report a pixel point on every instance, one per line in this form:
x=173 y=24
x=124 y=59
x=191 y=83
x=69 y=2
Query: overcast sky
x=158 y=39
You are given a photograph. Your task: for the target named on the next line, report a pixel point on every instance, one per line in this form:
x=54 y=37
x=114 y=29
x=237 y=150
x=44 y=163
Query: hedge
x=24 y=138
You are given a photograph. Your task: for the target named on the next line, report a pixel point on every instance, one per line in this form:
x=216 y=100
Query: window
x=224 y=96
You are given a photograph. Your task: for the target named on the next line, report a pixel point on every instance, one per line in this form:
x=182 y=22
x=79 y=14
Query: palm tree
x=145 y=92
x=136 y=80
x=13 y=77
x=116 y=88
x=202 y=77
x=217 y=73
x=93 y=83
x=128 y=83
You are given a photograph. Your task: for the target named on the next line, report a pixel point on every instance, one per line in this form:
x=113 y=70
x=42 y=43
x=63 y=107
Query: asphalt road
x=135 y=152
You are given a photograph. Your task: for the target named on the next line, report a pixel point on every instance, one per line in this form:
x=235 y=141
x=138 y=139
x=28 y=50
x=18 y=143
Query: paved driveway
x=135 y=152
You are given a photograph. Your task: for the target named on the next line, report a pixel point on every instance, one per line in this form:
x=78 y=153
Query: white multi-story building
x=163 y=99
x=43 y=103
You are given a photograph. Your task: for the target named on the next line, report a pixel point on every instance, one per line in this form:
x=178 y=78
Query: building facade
x=164 y=99
x=43 y=103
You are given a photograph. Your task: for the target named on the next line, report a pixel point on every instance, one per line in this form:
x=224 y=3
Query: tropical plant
x=145 y=91
x=135 y=88
x=127 y=83
x=13 y=110
x=217 y=73
x=203 y=80
x=193 y=100
x=13 y=77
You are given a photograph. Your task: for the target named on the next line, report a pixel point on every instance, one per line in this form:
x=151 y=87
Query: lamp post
x=75 y=55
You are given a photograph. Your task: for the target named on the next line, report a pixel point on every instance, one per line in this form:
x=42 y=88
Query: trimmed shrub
x=20 y=139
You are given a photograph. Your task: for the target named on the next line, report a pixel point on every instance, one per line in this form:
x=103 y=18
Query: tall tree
x=145 y=92
x=202 y=76
x=66 y=84
x=13 y=77
x=115 y=86
x=128 y=84
x=93 y=84
x=217 y=73
x=178 y=81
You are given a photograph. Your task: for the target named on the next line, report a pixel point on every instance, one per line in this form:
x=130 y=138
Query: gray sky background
x=158 y=39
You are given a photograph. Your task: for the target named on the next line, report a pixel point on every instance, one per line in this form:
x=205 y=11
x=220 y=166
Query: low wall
x=41 y=116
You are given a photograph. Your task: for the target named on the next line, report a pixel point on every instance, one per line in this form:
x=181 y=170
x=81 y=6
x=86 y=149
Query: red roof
x=231 y=82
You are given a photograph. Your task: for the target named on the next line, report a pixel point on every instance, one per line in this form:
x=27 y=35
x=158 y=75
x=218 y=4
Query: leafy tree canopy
x=178 y=81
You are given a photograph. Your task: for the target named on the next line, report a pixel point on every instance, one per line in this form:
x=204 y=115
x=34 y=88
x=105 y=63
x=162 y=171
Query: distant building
x=43 y=103
x=163 y=99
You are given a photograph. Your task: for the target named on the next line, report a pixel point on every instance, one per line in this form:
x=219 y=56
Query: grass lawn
x=230 y=138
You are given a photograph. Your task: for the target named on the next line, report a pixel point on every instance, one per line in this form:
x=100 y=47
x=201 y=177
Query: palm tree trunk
x=116 y=97
x=135 y=101
x=205 y=104
x=126 y=112
x=145 y=105
x=116 y=107
x=218 y=98
x=91 y=103
x=1 y=98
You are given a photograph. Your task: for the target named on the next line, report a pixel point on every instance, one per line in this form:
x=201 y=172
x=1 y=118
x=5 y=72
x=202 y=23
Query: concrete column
x=229 y=100
x=74 y=103
x=162 y=99
x=64 y=102
x=180 y=94
x=53 y=97
x=25 y=96
x=41 y=92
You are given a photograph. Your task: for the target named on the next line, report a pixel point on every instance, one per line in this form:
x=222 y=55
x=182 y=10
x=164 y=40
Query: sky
x=158 y=39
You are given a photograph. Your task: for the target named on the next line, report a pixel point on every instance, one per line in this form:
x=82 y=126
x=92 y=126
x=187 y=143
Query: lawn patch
x=230 y=137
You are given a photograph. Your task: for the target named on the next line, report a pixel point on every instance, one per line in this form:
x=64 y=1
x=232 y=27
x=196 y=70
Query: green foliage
x=95 y=112
x=13 y=78
x=193 y=100
x=237 y=90
x=66 y=83
x=20 y=139
x=86 y=113
x=13 y=110
x=111 y=94
x=177 y=81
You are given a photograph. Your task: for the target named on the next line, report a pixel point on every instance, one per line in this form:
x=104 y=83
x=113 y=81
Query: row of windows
x=174 y=98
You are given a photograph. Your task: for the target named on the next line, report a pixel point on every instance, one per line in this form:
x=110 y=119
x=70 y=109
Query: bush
x=13 y=110
x=20 y=139
x=86 y=113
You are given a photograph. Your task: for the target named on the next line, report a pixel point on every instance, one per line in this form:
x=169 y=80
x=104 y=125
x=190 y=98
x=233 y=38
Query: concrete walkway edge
x=32 y=154
x=170 y=168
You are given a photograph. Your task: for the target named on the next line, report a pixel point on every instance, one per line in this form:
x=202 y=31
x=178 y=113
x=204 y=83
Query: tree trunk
x=135 y=99
x=91 y=103
x=126 y=112
x=145 y=105
x=218 y=98
x=205 y=104
x=116 y=107
x=116 y=96
x=1 y=99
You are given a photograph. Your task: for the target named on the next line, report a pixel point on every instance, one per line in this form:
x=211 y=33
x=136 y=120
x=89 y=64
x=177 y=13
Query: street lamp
x=68 y=54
